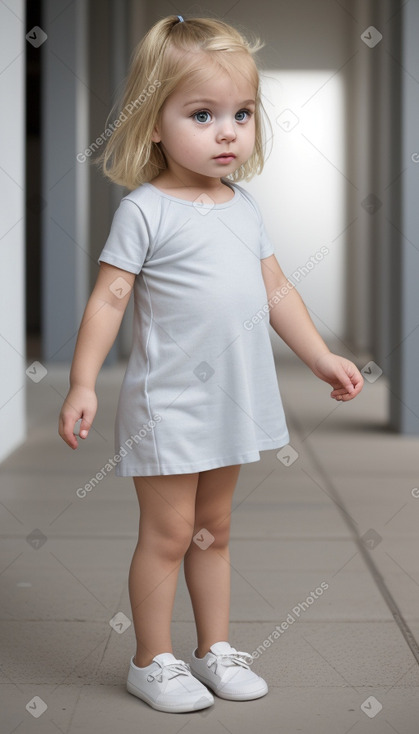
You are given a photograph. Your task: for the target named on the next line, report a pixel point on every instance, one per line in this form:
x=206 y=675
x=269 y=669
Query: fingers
x=85 y=424
x=66 y=428
x=341 y=392
x=357 y=383
x=77 y=415
x=344 y=384
x=348 y=384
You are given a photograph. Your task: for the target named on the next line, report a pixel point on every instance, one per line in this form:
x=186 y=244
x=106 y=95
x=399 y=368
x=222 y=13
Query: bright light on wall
x=301 y=191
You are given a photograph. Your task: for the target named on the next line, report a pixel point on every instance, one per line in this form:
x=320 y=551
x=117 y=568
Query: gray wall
x=12 y=230
x=402 y=358
x=65 y=132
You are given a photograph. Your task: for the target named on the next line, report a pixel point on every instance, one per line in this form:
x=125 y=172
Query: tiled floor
x=65 y=562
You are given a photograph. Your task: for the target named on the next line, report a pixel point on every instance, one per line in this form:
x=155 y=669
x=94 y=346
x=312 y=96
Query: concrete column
x=358 y=264
x=65 y=256
x=12 y=229
x=403 y=358
x=386 y=120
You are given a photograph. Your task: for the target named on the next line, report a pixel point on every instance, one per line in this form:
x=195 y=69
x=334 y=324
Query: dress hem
x=163 y=469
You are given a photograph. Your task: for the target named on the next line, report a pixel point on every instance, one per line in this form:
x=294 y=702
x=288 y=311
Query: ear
x=155 y=135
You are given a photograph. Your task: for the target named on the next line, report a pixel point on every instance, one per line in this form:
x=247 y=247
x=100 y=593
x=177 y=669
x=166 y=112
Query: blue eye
x=201 y=116
x=242 y=115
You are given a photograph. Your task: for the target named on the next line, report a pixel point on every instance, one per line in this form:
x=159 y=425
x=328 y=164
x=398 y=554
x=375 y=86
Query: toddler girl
x=200 y=395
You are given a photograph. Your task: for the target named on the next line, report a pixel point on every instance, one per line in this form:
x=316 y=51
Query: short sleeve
x=129 y=240
x=266 y=247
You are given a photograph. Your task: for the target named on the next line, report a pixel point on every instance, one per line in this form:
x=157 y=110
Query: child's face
x=199 y=126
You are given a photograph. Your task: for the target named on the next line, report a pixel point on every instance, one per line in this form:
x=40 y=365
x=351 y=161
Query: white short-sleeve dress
x=200 y=390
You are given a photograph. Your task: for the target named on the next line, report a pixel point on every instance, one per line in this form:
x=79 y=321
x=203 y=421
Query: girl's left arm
x=290 y=319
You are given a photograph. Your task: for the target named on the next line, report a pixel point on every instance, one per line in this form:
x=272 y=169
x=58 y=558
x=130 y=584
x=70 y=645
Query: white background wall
x=301 y=191
x=12 y=230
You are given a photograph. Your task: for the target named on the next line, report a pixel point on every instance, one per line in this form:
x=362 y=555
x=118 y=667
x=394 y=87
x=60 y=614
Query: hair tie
x=180 y=19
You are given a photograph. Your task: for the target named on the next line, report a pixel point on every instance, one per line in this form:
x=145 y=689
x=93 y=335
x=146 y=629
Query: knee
x=171 y=544
x=219 y=529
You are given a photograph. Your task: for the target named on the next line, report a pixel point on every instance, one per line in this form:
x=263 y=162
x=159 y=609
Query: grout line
x=375 y=573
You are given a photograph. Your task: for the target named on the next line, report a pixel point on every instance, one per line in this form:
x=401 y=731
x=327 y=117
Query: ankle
x=144 y=661
x=201 y=652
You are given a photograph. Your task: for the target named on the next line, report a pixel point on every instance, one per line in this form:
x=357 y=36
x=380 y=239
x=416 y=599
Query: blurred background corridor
x=340 y=506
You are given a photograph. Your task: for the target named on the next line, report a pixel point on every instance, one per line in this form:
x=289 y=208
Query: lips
x=225 y=155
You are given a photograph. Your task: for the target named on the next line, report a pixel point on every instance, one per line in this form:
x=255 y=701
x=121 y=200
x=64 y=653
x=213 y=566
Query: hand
x=341 y=374
x=81 y=402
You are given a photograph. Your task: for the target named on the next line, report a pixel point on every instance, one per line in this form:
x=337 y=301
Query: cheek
x=191 y=142
x=252 y=127
x=251 y=135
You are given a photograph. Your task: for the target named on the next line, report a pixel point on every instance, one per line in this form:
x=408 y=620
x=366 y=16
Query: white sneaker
x=226 y=671
x=168 y=685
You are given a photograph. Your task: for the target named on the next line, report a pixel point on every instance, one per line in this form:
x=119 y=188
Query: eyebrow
x=214 y=102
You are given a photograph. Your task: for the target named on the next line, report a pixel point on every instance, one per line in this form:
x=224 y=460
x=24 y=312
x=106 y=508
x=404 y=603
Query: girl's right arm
x=98 y=329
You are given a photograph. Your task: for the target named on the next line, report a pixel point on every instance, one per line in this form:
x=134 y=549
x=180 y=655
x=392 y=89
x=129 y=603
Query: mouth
x=225 y=157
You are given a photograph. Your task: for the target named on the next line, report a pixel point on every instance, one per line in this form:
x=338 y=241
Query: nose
x=226 y=131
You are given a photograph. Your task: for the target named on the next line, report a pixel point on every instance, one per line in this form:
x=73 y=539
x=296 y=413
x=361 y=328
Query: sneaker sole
x=199 y=704
x=230 y=696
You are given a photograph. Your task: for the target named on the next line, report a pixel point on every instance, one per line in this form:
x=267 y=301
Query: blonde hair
x=169 y=54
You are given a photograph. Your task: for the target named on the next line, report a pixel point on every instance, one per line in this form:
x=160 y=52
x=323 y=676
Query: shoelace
x=169 y=671
x=231 y=658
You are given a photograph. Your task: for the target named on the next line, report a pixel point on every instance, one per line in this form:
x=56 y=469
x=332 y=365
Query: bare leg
x=167 y=509
x=207 y=572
